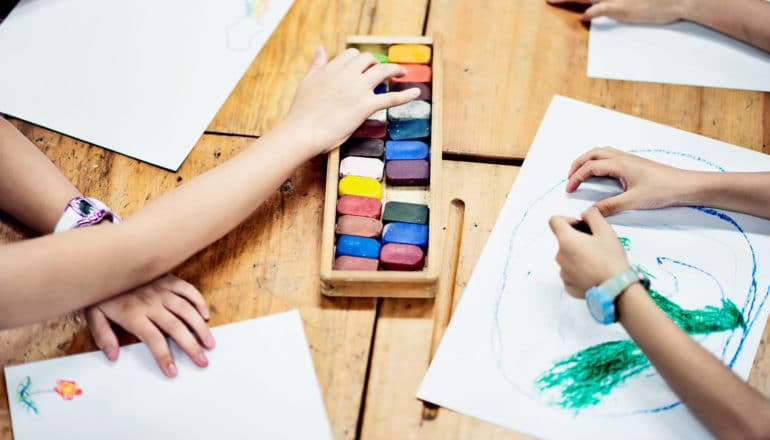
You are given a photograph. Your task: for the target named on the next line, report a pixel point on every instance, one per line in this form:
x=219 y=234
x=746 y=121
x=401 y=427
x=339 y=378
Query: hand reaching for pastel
x=167 y=305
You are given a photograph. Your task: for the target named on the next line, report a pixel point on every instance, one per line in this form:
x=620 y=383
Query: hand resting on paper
x=745 y=20
x=587 y=260
x=167 y=305
x=649 y=185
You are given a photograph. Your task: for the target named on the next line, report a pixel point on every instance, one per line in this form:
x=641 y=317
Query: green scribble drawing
x=582 y=379
x=626 y=242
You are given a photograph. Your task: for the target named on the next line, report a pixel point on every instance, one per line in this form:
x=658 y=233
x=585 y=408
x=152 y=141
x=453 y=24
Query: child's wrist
x=296 y=138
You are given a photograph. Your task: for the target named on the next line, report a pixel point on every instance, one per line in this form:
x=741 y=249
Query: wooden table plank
x=504 y=60
x=266 y=265
x=403 y=335
x=265 y=92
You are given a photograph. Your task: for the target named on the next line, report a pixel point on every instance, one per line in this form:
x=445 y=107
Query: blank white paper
x=515 y=322
x=143 y=78
x=679 y=53
x=260 y=384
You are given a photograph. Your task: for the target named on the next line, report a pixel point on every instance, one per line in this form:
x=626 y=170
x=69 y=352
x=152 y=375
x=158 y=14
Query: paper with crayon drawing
x=260 y=383
x=679 y=53
x=522 y=353
x=143 y=78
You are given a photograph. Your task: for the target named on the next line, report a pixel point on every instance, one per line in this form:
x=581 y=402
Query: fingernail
x=206 y=314
x=110 y=352
x=201 y=359
x=171 y=370
x=209 y=341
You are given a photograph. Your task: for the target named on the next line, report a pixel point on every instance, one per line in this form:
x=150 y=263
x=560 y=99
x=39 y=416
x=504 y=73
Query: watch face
x=85 y=207
x=600 y=305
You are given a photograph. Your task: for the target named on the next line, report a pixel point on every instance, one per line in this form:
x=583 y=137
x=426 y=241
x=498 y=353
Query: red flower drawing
x=67 y=389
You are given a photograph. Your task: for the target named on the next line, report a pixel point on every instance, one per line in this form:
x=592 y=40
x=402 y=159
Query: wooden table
x=504 y=61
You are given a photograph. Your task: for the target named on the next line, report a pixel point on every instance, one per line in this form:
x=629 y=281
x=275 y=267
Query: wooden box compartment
x=387 y=283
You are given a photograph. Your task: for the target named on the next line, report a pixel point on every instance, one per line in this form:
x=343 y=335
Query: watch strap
x=620 y=282
x=84 y=211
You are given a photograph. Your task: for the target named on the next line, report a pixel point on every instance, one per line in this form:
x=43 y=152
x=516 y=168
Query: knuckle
x=352 y=51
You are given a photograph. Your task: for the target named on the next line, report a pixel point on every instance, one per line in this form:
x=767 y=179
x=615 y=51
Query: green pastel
x=382 y=58
x=405 y=213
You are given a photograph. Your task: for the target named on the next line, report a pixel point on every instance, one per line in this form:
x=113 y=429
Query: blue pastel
x=406 y=150
x=380 y=89
x=405 y=233
x=354 y=246
x=411 y=129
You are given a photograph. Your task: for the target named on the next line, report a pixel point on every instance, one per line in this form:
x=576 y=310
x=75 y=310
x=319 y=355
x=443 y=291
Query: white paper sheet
x=143 y=78
x=515 y=321
x=679 y=53
x=260 y=384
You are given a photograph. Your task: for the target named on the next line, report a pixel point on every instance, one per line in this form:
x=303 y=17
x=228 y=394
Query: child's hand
x=337 y=96
x=167 y=305
x=633 y=11
x=587 y=260
x=646 y=184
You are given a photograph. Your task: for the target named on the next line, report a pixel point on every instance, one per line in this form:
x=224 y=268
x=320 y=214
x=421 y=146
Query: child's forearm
x=746 y=20
x=32 y=189
x=741 y=192
x=50 y=275
x=726 y=405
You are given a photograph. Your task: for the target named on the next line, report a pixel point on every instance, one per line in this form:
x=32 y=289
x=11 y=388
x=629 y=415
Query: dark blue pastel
x=380 y=89
x=406 y=150
x=405 y=233
x=353 y=246
x=410 y=129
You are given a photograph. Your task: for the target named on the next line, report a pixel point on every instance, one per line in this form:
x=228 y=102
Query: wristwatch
x=601 y=299
x=84 y=211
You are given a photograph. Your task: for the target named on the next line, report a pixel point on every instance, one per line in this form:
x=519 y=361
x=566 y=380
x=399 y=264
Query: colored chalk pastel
x=359 y=226
x=395 y=256
x=409 y=53
x=360 y=186
x=405 y=213
x=353 y=246
x=362 y=166
x=380 y=89
x=363 y=148
x=411 y=110
x=419 y=73
x=380 y=115
x=371 y=129
x=413 y=129
x=425 y=90
x=406 y=194
x=345 y=262
x=405 y=233
x=407 y=172
x=382 y=58
x=406 y=150
x=360 y=206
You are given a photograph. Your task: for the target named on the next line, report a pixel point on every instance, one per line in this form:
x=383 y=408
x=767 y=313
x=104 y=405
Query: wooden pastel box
x=383 y=232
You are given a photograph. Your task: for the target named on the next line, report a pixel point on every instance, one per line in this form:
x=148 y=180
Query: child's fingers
x=102 y=332
x=602 y=9
x=148 y=333
x=178 y=331
x=598 y=224
x=189 y=292
x=181 y=308
x=363 y=61
x=392 y=99
x=380 y=72
x=592 y=154
x=593 y=168
x=320 y=58
x=343 y=58
x=556 y=2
